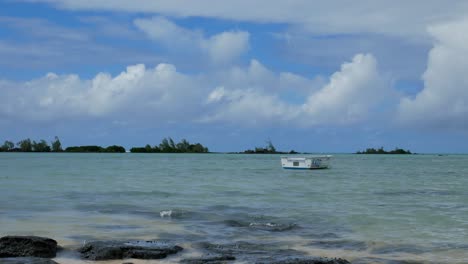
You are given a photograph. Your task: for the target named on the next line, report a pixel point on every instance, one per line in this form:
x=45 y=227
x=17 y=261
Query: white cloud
x=348 y=98
x=444 y=99
x=252 y=95
x=137 y=90
x=349 y=95
x=220 y=48
x=248 y=107
x=399 y=17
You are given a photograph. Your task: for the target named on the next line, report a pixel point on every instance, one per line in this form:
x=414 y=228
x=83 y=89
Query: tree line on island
x=28 y=145
x=382 y=151
x=167 y=145
x=268 y=149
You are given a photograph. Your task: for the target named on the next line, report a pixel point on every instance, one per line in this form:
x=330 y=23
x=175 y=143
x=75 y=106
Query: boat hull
x=306 y=163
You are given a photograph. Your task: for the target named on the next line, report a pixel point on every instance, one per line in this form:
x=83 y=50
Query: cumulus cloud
x=136 y=90
x=350 y=93
x=245 y=96
x=347 y=98
x=444 y=99
x=220 y=48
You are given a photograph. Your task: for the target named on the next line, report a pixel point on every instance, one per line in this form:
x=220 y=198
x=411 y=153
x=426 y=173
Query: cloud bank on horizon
x=230 y=80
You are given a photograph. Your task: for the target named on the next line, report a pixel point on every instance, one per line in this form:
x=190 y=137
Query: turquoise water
x=381 y=206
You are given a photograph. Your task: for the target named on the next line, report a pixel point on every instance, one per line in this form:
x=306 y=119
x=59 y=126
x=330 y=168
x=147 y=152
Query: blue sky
x=309 y=75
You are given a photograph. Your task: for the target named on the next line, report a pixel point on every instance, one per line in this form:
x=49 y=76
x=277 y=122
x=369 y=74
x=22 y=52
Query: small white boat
x=306 y=163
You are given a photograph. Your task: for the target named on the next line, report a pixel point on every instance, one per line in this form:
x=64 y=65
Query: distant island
x=96 y=149
x=168 y=145
x=382 y=151
x=268 y=149
x=26 y=145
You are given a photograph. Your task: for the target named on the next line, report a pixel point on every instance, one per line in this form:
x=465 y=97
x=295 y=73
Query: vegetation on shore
x=168 y=145
x=382 y=151
x=26 y=145
x=96 y=149
x=268 y=149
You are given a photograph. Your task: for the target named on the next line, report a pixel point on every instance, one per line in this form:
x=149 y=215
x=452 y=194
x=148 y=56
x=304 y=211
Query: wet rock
x=26 y=260
x=27 y=246
x=210 y=260
x=107 y=250
x=304 y=261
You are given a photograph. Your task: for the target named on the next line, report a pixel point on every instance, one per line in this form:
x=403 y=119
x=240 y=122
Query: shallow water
x=367 y=206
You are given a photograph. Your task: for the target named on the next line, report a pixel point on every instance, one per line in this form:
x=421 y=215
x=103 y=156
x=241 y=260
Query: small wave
x=167 y=213
x=272 y=226
x=178 y=214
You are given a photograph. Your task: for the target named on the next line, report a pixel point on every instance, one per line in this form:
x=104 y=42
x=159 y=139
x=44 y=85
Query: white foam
x=167 y=213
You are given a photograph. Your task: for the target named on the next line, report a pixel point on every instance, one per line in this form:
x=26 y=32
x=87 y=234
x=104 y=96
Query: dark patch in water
x=328 y=235
x=340 y=244
x=389 y=249
x=209 y=259
x=264 y=226
x=427 y=192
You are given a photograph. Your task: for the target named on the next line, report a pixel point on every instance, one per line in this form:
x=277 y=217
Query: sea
x=365 y=208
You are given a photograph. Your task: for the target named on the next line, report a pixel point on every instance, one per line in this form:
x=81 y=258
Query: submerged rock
x=107 y=250
x=305 y=261
x=27 y=246
x=209 y=260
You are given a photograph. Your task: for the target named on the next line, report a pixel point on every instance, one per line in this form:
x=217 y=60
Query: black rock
x=305 y=261
x=27 y=260
x=27 y=246
x=107 y=250
x=209 y=260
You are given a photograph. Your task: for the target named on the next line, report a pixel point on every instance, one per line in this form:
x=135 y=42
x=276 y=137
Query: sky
x=312 y=76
